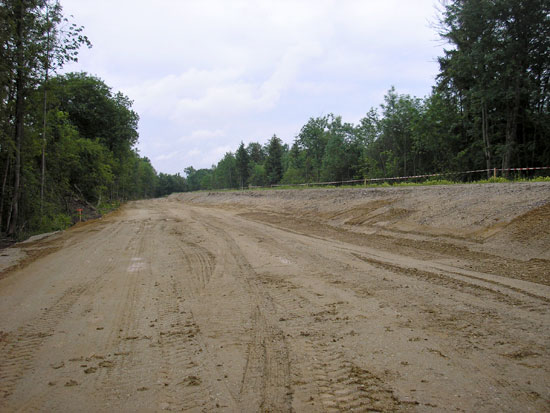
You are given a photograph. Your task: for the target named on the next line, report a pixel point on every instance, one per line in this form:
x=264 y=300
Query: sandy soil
x=399 y=299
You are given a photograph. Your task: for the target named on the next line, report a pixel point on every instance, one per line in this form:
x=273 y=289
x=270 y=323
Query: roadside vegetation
x=397 y=184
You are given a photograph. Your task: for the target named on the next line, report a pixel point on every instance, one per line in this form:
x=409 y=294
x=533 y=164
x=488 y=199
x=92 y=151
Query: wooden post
x=495 y=173
x=79 y=214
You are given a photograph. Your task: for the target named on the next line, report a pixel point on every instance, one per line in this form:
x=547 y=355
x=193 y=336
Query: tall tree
x=342 y=153
x=59 y=46
x=243 y=163
x=313 y=139
x=274 y=160
x=393 y=151
x=225 y=173
x=256 y=152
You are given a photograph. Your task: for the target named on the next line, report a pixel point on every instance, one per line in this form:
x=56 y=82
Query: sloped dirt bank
x=512 y=220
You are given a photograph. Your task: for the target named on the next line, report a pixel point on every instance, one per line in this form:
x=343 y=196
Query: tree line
x=488 y=109
x=67 y=142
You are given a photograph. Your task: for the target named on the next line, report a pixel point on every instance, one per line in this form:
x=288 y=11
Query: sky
x=205 y=75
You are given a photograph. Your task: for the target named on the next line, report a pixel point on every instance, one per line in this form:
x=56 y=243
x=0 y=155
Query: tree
x=59 y=46
x=438 y=143
x=367 y=132
x=96 y=111
x=391 y=138
x=168 y=184
x=313 y=139
x=258 y=177
x=242 y=162
x=256 y=152
x=335 y=165
x=32 y=44
x=344 y=138
x=225 y=173
x=295 y=172
x=100 y=114
x=273 y=162
x=498 y=67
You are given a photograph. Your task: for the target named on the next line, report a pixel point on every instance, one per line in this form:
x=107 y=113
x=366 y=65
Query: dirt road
x=176 y=304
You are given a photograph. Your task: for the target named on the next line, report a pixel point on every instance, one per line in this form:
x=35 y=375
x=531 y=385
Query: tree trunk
x=45 y=112
x=19 y=114
x=511 y=130
x=43 y=166
x=4 y=182
x=485 y=135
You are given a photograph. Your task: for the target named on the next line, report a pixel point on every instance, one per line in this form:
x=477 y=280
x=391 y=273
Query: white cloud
x=167 y=156
x=219 y=93
x=206 y=74
x=201 y=135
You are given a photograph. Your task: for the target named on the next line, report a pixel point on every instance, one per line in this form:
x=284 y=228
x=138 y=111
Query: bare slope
x=508 y=219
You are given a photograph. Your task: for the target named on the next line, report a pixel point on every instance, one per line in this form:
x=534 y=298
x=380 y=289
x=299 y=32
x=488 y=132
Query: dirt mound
x=529 y=232
x=531 y=226
x=508 y=219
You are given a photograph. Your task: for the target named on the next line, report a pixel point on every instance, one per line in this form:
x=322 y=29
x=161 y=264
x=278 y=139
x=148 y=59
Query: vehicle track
x=265 y=384
x=20 y=346
x=337 y=383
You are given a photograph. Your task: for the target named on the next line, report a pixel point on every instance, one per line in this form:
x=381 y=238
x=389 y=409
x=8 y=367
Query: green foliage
x=334 y=165
x=96 y=112
x=313 y=139
x=242 y=159
x=437 y=182
x=258 y=176
x=255 y=152
x=84 y=163
x=168 y=184
x=496 y=71
x=225 y=174
x=493 y=180
x=292 y=175
x=541 y=179
x=106 y=207
x=274 y=160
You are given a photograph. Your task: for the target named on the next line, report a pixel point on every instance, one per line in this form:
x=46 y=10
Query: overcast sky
x=205 y=75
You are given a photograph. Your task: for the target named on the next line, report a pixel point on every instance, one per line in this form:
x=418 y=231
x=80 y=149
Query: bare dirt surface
x=399 y=299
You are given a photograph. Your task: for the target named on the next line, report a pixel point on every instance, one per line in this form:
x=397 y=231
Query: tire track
x=102 y=276
x=339 y=384
x=20 y=347
x=157 y=337
x=182 y=364
x=185 y=388
x=208 y=310
x=343 y=386
x=265 y=384
x=499 y=291
x=133 y=363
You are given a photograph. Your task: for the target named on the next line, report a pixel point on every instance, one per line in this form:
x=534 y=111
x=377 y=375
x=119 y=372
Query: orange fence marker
x=79 y=214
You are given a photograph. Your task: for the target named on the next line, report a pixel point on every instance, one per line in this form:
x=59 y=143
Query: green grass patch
x=390 y=184
x=106 y=207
